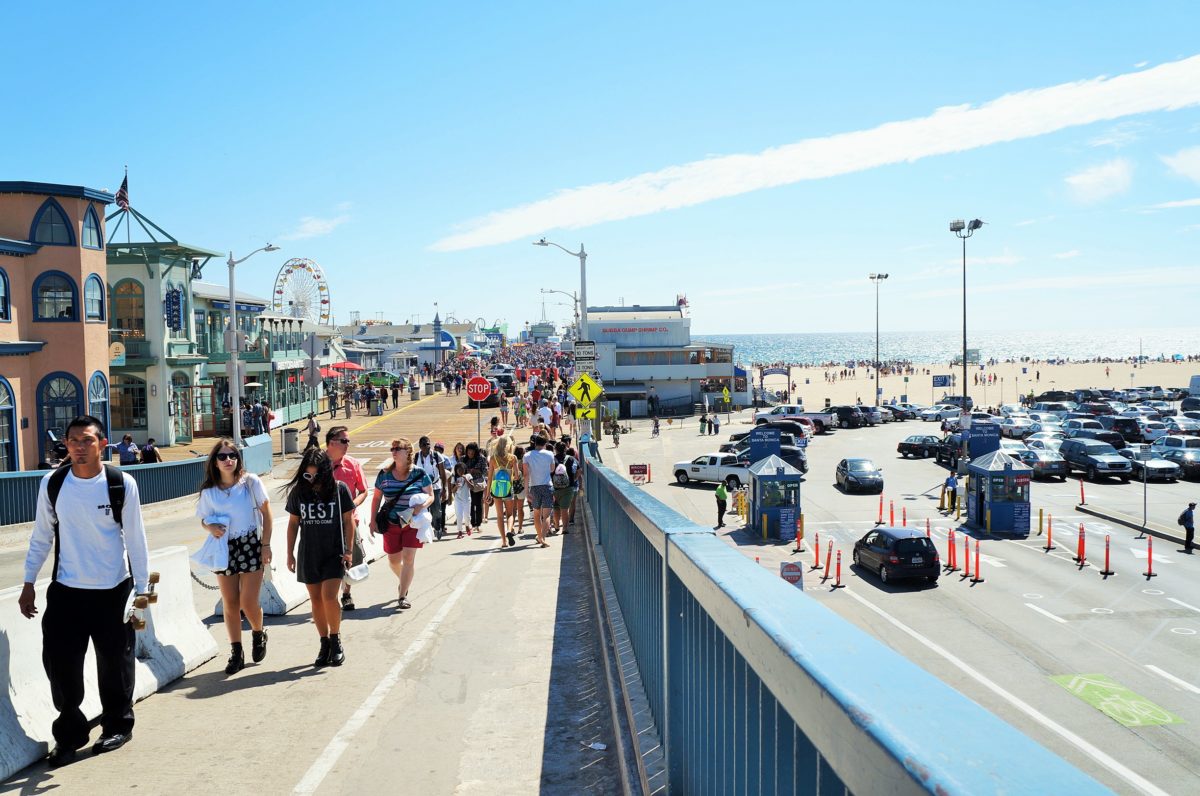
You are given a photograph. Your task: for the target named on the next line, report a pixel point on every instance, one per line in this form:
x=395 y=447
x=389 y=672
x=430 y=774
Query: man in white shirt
x=93 y=556
x=544 y=413
x=538 y=466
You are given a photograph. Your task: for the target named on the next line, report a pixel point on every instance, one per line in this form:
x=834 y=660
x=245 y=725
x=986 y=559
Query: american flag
x=123 y=194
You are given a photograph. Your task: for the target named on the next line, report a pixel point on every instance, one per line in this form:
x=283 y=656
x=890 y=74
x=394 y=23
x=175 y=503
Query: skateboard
x=136 y=606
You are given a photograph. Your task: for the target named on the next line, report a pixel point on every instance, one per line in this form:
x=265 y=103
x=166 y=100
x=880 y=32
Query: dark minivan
x=848 y=416
x=896 y=553
x=1127 y=427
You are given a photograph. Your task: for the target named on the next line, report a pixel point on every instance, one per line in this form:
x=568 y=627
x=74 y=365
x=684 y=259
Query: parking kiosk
x=998 y=494
x=774 y=499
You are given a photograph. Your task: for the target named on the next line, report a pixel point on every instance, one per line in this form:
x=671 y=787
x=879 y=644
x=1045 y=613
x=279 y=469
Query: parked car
x=1149 y=465
x=780 y=412
x=1045 y=463
x=896 y=553
x=958 y=400
x=1054 y=395
x=1059 y=408
x=1074 y=425
x=921 y=446
x=1127 y=427
x=1011 y=446
x=1176 y=393
x=1046 y=427
x=1187 y=459
x=949 y=450
x=1190 y=404
x=906 y=411
x=795 y=412
x=1152 y=430
x=1153 y=393
x=940 y=412
x=713 y=467
x=1181 y=425
x=890 y=413
x=1049 y=442
x=797 y=426
x=1169 y=443
x=1008 y=410
x=1016 y=426
x=738 y=442
x=872 y=415
x=847 y=416
x=1095 y=458
x=859 y=475
x=794 y=456
x=1096 y=408
x=1111 y=437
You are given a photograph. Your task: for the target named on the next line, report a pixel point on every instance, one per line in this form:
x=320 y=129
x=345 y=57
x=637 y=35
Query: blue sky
x=415 y=151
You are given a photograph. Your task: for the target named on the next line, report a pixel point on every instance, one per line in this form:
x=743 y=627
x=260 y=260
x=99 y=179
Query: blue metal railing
x=756 y=688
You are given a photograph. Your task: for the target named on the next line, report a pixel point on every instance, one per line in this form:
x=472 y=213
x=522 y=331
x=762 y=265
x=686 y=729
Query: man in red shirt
x=349 y=471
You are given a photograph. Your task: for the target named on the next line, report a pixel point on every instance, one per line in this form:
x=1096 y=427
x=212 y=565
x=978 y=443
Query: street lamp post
x=582 y=255
x=233 y=345
x=574 y=298
x=877 y=278
x=964 y=230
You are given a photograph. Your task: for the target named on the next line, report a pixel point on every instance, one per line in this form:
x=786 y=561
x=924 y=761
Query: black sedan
x=1188 y=461
x=895 y=553
x=920 y=445
x=859 y=475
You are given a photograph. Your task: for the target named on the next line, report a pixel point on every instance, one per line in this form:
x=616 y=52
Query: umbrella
x=347 y=366
x=327 y=373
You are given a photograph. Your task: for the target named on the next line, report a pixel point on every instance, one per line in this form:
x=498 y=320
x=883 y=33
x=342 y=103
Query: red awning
x=328 y=373
x=346 y=366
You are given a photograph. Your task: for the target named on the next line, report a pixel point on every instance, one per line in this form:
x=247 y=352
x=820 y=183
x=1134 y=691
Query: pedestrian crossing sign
x=585 y=413
x=585 y=389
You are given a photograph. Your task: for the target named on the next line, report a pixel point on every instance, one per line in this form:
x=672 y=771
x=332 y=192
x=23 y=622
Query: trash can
x=429 y=387
x=414 y=394
x=437 y=386
x=291 y=440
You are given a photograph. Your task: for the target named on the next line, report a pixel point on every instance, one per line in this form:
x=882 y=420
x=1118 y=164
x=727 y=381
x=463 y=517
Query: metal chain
x=196 y=578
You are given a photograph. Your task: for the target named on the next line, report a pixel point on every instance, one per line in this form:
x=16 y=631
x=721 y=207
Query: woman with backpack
x=563 y=481
x=390 y=513
x=321 y=513
x=234 y=506
x=502 y=469
x=477 y=480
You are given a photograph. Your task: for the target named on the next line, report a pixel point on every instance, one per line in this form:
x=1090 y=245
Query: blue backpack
x=502 y=484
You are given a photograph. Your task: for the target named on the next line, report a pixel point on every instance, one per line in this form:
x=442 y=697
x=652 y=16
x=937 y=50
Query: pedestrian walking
x=347 y=400
x=333 y=404
x=703 y=423
x=539 y=466
x=565 y=482
x=519 y=494
x=233 y=506
x=714 y=424
x=505 y=401
x=313 y=427
x=383 y=399
x=394 y=487
x=477 y=479
x=433 y=462
x=92 y=516
x=502 y=467
x=150 y=454
x=722 y=503
x=1188 y=521
x=348 y=470
x=654 y=429
x=127 y=451
x=462 y=498
x=321 y=514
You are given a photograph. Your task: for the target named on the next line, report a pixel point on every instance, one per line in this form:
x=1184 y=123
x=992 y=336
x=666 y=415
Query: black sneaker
x=347 y=601
x=258 y=645
x=337 y=655
x=323 y=655
x=237 y=660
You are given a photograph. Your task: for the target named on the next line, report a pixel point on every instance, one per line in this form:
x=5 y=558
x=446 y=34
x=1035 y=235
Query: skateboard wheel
x=138 y=624
x=153 y=578
x=141 y=601
x=153 y=598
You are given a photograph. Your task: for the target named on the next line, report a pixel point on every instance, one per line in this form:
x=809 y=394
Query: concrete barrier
x=174 y=643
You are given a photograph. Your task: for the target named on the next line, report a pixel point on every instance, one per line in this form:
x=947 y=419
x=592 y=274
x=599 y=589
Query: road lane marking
x=1101 y=757
x=1185 y=605
x=1184 y=684
x=1115 y=700
x=1045 y=613
x=341 y=741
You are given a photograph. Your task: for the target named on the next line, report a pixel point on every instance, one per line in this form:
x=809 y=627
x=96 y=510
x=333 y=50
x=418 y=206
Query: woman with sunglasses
x=397 y=483
x=233 y=506
x=321 y=512
x=347 y=470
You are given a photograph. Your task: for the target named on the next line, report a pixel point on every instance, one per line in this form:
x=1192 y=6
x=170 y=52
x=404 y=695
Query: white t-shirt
x=430 y=465
x=240 y=504
x=541 y=466
x=544 y=414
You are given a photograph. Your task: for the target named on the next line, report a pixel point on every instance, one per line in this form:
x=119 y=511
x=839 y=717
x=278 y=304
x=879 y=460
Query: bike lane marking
x=1115 y=700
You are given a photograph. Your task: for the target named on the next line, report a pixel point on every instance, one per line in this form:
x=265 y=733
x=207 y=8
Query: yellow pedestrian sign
x=585 y=389
x=725 y=394
x=585 y=413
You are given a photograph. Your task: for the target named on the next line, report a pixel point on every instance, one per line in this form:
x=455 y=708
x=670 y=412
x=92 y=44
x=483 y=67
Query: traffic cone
x=951 y=553
x=828 y=558
x=928 y=530
x=978 y=578
x=1082 y=499
x=1150 y=573
x=880 y=520
x=816 y=550
x=1049 y=533
x=1081 y=549
x=904 y=516
x=891 y=514
x=966 y=556
x=1107 y=569
x=837 y=584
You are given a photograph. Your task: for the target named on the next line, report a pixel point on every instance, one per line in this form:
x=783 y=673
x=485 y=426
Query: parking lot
x=1101 y=669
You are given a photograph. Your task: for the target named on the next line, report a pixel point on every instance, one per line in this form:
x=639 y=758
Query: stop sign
x=478 y=388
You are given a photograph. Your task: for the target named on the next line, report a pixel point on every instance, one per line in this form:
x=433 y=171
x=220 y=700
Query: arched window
x=128 y=403
x=51 y=226
x=129 y=308
x=59 y=397
x=8 y=428
x=5 y=303
x=98 y=397
x=54 y=297
x=93 y=298
x=92 y=239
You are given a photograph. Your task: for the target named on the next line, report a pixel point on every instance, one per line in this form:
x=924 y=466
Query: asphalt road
x=1104 y=670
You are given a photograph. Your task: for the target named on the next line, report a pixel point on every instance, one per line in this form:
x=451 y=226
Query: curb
x=1130 y=522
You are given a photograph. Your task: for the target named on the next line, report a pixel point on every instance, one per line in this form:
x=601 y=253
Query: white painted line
x=341 y=741
x=1046 y=613
x=1183 y=631
x=1122 y=771
x=1185 y=605
x=1184 y=684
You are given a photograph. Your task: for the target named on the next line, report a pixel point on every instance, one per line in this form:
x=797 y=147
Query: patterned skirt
x=245 y=555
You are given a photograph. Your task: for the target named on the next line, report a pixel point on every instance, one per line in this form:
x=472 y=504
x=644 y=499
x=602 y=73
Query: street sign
x=725 y=394
x=585 y=349
x=312 y=373
x=793 y=573
x=478 y=388
x=312 y=346
x=585 y=413
x=585 y=389
x=941 y=381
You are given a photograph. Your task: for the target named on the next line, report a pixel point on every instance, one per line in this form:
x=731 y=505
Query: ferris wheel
x=301 y=291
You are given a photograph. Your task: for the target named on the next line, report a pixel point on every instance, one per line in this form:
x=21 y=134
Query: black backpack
x=116 y=498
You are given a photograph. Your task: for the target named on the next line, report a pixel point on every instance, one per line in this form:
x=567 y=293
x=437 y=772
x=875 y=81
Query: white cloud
x=1119 y=135
x=1068 y=255
x=1141 y=64
x=1185 y=163
x=1176 y=204
x=313 y=227
x=1098 y=183
x=1012 y=117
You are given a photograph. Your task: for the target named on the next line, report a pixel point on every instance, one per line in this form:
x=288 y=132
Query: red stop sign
x=478 y=388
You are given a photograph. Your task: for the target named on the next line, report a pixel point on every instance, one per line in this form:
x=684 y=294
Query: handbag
x=213 y=554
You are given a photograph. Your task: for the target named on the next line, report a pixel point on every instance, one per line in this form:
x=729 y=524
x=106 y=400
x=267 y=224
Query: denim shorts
x=541 y=497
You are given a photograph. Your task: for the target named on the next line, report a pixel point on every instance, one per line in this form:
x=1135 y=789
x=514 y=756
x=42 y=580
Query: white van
x=1194 y=387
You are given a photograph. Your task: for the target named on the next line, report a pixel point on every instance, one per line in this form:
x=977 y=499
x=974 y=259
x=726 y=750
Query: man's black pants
x=438 y=511
x=1189 y=537
x=73 y=616
x=720 y=511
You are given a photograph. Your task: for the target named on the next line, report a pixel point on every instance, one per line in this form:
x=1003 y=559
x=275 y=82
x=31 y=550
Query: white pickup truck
x=713 y=467
x=821 y=420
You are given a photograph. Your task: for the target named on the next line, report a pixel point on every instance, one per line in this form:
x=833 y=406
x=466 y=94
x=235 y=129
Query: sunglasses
x=397 y=450
x=227 y=456
x=344 y=440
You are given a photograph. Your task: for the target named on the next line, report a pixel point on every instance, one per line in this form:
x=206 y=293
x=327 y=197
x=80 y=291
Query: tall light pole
x=964 y=230
x=582 y=255
x=233 y=345
x=877 y=278
x=575 y=298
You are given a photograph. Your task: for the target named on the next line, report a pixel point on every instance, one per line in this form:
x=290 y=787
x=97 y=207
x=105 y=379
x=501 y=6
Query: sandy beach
x=813 y=389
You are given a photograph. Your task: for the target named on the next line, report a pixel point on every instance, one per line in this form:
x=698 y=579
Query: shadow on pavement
x=215 y=684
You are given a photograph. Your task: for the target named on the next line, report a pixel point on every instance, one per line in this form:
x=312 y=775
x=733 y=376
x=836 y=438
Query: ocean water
x=817 y=347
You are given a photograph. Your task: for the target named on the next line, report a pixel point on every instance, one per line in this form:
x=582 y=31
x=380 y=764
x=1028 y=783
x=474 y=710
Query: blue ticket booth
x=774 y=499
x=998 y=494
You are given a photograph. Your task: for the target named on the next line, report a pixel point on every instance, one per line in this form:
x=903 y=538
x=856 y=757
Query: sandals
x=404 y=604
x=512 y=539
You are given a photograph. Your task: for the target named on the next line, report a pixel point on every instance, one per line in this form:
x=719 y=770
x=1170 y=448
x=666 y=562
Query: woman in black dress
x=321 y=511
